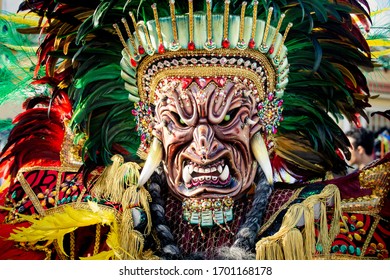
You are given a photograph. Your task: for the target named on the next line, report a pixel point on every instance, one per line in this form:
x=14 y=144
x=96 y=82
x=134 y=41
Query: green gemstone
x=13 y=195
x=74 y=198
x=351 y=249
x=335 y=249
x=343 y=249
x=319 y=248
x=358 y=251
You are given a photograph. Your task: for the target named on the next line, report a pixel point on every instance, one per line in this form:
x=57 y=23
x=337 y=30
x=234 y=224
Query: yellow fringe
x=104 y=187
x=138 y=196
x=290 y=243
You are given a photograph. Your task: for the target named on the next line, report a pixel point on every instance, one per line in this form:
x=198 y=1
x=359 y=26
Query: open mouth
x=216 y=175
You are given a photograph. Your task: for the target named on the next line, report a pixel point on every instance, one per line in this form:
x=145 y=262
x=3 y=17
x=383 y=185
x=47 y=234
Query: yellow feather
x=105 y=255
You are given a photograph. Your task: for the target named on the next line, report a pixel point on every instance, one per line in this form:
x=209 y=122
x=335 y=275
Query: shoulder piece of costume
x=164 y=127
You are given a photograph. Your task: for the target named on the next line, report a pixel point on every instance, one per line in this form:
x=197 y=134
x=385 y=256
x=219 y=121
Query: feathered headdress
x=305 y=57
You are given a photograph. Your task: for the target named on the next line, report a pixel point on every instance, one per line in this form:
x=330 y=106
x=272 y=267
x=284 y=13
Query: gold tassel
x=309 y=231
x=105 y=187
x=293 y=245
x=271 y=244
x=138 y=196
x=290 y=243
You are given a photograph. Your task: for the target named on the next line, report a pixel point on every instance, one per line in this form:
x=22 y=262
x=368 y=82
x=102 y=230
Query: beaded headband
x=208 y=45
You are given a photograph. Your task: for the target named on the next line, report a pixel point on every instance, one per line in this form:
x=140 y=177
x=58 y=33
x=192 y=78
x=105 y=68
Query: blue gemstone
x=358 y=251
x=21 y=209
x=68 y=199
x=319 y=248
x=63 y=200
x=74 y=198
x=351 y=249
x=335 y=248
x=352 y=228
x=343 y=249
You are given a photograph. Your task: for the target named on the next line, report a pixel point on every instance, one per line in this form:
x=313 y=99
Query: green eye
x=181 y=121
x=226 y=118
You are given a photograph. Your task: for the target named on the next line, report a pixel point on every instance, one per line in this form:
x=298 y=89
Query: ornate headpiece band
x=214 y=37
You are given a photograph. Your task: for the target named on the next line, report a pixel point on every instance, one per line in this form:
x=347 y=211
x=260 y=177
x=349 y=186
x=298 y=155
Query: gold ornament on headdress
x=204 y=45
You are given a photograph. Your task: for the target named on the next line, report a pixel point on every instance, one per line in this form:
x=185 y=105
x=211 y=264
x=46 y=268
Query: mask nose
x=205 y=144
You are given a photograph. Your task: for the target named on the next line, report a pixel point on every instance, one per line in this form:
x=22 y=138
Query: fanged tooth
x=186 y=174
x=225 y=174
x=260 y=152
x=212 y=169
x=201 y=170
x=152 y=162
x=207 y=170
x=190 y=168
x=208 y=178
x=220 y=168
x=201 y=178
x=214 y=178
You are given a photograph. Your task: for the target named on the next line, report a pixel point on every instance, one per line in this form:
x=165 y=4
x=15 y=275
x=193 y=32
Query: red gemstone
x=141 y=49
x=161 y=48
x=251 y=43
x=191 y=46
x=271 y=49
x=133 y=62
x=225 y=43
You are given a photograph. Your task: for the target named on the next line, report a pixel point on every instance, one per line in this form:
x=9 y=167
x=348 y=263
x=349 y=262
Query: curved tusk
x=152 y=161
x=260 y=152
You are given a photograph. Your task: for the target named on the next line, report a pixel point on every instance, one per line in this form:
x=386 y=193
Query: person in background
x=362 y=147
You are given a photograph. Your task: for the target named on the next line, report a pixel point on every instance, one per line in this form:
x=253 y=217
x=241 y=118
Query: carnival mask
x=205 y=126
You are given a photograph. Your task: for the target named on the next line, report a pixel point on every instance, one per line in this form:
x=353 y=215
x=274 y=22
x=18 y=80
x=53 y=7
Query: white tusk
x=260 y=152
x=152 y=161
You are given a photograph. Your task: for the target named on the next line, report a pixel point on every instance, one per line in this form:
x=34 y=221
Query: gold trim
x=158 y=27
x=191 y=20
x=284 y=39
x=370 y=234
x=135 y=27
x=277 y=29
x=151 y=49
x=30 y=193
x=96 y=247
x=270 y=10
x=254 y=19
x=131 y=38
x=201 y=71
x=125 y=46
x=226 y=20
x=247 y=53
x=58 y=187
x=72 y=245
x=83 y=206
x=209 y=21
x=173 y=19
x=242 y=21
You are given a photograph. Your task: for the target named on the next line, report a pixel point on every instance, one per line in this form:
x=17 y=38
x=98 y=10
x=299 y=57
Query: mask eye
x=230 y=116
x=177 y=119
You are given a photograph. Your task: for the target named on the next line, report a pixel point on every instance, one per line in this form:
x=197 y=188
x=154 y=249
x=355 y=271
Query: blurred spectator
x=382 y=142
x=362 y=147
